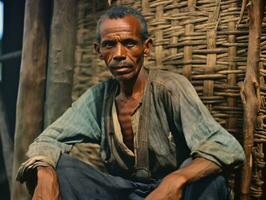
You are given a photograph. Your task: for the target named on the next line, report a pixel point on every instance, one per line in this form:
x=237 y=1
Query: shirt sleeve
x=204 y=136
x=31 y=164
x=80 y=123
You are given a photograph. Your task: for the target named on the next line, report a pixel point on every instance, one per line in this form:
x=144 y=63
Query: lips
x=121 y=67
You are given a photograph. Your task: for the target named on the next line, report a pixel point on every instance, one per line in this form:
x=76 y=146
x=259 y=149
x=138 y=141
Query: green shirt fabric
x=180 y=126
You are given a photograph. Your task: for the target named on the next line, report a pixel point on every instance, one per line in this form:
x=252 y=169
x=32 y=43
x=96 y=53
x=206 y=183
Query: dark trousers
x=79 y=181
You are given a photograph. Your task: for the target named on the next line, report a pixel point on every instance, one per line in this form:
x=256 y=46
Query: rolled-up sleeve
x=204 y=136
x=80 y=123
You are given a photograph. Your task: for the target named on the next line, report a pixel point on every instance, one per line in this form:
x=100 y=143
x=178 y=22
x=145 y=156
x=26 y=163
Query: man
x=147 y=122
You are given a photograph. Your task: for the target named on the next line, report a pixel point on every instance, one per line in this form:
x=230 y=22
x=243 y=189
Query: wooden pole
x=61 y=59
x=250 y=90
x=7 y=142
x=29 y=113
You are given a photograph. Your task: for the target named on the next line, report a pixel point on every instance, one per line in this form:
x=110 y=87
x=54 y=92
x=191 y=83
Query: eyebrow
x=135 y=40
x=104 y=42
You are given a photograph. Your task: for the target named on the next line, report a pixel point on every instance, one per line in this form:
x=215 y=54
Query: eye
x=108 y=44
x=129 y=43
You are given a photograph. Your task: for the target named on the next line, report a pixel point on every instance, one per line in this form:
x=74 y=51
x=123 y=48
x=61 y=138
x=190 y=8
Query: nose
x=120 y=52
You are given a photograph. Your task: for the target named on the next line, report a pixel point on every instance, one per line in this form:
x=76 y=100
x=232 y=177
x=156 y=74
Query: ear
x=147 y=46
x=97 y=49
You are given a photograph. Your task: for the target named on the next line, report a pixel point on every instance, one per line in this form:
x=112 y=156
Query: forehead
x=128 y=25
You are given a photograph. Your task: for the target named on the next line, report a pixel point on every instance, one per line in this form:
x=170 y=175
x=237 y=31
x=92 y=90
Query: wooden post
x=29 y=114
x=61 y=59
x=249 y=90
x=7 y=142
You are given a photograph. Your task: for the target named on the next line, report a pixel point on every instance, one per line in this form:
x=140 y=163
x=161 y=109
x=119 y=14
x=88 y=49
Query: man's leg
x=209 y=188
x=79 y=181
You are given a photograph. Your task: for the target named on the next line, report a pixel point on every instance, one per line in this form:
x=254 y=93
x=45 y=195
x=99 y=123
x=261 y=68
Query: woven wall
x=206 y=41
x=89 y=70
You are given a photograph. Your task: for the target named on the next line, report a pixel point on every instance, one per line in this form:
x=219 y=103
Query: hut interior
x=219 y=45
x=211 y=43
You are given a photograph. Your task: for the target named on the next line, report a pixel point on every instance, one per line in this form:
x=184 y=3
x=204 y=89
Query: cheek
x=107 y=57
x=136 y=55
x=137 y=52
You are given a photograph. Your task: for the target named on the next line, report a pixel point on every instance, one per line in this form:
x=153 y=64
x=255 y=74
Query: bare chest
x=125 y=110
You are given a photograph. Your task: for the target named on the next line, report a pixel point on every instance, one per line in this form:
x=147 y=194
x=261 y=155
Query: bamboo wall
x=88 y=69
x=206 y=40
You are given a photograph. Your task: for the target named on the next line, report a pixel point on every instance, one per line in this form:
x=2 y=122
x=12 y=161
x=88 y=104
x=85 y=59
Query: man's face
x=122 y=47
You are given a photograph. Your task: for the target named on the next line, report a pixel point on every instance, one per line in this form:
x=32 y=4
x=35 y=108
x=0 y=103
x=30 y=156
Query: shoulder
x=98 y=91
x=169 y=80
x=101 y=87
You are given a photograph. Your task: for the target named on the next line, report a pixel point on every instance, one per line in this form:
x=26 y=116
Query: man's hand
x=47 y=184
x=170 y=188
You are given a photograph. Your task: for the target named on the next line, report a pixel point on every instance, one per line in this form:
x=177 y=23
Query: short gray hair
x=117 y=12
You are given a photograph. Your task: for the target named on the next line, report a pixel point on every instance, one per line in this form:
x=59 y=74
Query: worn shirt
x=179 y=126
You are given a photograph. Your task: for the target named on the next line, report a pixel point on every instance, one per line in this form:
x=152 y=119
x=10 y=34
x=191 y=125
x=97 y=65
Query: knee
x=218 y=187
x=73 y=169
x=218 y=181
x=63 y=162
x=66 y=166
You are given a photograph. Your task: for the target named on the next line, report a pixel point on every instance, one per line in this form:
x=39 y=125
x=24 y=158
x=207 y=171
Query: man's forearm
x=172 y=185
x=197 y=169
x=47 y=184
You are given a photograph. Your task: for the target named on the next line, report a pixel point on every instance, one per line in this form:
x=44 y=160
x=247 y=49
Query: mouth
x=121 y=68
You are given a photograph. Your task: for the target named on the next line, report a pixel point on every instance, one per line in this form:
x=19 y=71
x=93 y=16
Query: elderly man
x=148 y=122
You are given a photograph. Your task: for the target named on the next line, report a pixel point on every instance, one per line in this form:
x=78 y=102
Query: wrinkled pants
x=79 y=181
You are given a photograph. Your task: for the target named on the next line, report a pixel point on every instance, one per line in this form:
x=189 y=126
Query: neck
x=133 y=88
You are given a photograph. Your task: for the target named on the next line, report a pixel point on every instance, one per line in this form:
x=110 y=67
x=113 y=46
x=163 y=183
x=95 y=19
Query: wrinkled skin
x=122 y=47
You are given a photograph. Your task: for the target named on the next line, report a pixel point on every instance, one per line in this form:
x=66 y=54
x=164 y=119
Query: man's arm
x=47 y=184
x=80 y=122
x=204 y=136
x=172 y=185
x=212 y=147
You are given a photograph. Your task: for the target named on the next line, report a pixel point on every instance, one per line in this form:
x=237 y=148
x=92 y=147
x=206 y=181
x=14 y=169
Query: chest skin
x=125 y=108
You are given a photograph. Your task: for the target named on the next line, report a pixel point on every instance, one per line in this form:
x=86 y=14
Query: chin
x=125 y=77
